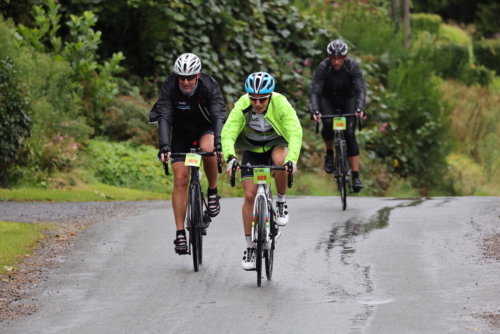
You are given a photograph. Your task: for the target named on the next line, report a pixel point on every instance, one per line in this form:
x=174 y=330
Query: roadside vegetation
x=17 y=240
x=78 y=82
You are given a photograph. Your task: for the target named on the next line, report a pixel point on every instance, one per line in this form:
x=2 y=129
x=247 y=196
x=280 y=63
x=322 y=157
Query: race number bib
x=339 y=123
x=192 y=159
x=261 y=175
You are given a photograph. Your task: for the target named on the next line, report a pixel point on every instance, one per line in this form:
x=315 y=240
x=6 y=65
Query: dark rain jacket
x=338 y=85
x=210 y=102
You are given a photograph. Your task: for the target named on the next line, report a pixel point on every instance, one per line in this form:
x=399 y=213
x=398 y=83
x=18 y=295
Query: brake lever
x=219 y=162
x=290 y=175
x=165 y=167
x=316 y=124
x=232 y=178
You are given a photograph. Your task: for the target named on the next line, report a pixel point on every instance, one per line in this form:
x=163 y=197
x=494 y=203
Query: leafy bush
x=232 y=38
x=128 y=165
x=91 y=80
x=57 y=129
x=450 y=34
x=487 y=19
x=15 y=122
x=476 y=124
x=128 y=118
x=412 y=137
x=487 y=53
x=450 y=60
x=472 y=74
x=426 y=22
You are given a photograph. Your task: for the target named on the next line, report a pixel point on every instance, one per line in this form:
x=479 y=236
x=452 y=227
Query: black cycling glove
x=165 y=150
x=217 y=147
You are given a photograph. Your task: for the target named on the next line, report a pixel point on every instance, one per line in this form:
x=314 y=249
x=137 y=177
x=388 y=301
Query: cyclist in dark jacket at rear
x=190 y=109
x=338 y=84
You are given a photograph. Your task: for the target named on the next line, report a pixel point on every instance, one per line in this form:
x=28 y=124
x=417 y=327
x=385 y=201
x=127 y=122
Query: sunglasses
x=186 y=77
x=262 y=99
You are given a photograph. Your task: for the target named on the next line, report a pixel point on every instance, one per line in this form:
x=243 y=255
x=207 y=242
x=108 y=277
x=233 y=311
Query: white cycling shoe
x=249 y=259
x=281 y=213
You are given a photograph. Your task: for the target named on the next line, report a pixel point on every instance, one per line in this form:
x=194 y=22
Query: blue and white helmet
x=260 y=83
x=187 y=64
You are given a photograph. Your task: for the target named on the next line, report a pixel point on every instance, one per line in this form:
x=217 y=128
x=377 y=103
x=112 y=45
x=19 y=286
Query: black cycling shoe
x=329 y=164
x=181 y=246
x=213 y=205
x=356 y=185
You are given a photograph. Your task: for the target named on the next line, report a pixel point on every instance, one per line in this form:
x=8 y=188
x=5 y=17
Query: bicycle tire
x=260 y=224
x=199 y=226
x=341 y=178
x=194 y=230
x=269 y=253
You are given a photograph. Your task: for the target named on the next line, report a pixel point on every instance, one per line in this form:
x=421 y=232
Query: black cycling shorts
x=182 y=142
x=254 y=158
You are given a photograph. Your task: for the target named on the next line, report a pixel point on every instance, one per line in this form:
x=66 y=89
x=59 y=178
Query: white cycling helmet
x=337 y=48
x=187 y=64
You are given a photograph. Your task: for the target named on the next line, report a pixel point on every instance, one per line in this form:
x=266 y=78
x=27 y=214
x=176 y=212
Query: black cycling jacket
x=345 y=83
x=211 y=104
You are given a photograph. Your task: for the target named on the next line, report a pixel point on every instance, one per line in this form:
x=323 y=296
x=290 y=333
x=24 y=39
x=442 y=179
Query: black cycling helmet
x=337 y=48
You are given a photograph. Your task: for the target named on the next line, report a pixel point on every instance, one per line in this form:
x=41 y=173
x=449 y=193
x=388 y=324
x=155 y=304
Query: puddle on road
x=342 y=235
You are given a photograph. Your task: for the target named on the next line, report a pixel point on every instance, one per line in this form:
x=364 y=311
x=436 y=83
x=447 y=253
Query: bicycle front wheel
x=269 y=253
x=194 y=230
x=341 y=178
x=261 y=232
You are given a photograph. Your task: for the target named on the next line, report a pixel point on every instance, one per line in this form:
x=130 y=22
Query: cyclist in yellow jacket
x=265 y=126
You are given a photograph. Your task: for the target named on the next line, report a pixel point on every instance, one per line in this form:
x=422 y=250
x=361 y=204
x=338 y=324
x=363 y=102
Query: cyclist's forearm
x=164 y=133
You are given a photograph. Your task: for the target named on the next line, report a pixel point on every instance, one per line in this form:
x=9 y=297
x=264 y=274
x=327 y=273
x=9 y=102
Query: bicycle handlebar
x=289 y=165
x=360 y=124
x=205 y=154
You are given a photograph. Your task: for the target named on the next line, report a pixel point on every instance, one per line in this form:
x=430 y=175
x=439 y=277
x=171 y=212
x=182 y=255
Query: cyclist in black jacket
x=190 y=109
x=338 y=84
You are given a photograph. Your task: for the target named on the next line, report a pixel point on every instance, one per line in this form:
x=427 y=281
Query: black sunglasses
x=188 y=77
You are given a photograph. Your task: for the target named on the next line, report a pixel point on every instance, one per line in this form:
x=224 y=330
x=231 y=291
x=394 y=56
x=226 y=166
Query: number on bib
x=261 y=175
x=339 y=123
x=192 y=159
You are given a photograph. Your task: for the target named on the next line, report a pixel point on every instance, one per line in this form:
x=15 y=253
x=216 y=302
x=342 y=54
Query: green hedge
x=426 y=22
x=450 y=34
x=450 y=59
x=127 y=165
x=473 y=74
x=487 y=53
x=15 y=122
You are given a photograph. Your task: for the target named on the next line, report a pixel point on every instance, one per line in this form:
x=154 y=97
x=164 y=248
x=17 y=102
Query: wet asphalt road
x=382 y=266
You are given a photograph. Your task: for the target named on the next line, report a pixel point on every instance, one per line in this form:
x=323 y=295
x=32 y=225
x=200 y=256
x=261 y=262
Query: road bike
x=197 y=218
x=341 y=172
x=264 y=227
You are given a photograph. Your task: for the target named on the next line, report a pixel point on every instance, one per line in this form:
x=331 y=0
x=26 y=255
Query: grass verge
x=80 y=193
x=16 y=241
x=305 y=184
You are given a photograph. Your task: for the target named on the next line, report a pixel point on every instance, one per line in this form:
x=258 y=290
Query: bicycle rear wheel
x=269 y=253
x=260 y=230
